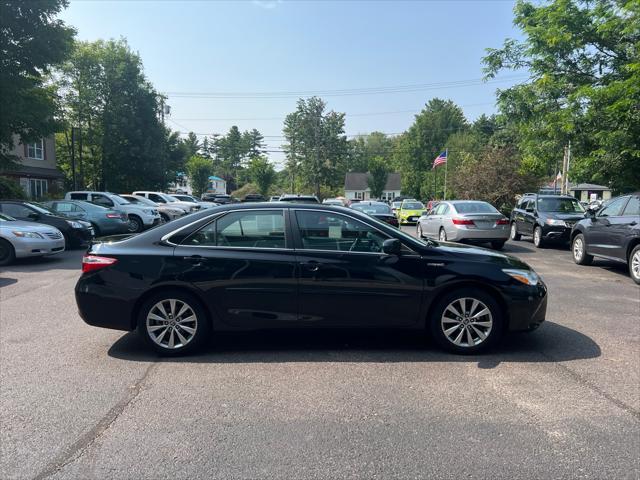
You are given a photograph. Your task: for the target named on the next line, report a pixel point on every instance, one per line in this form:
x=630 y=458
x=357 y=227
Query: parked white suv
x=140 y=216
x=161 y=198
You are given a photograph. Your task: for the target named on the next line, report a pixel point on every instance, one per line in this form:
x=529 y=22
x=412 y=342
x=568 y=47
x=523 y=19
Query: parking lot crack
x=78 y=448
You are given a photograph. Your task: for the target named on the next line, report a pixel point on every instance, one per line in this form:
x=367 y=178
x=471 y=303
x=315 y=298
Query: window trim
x=218 y=216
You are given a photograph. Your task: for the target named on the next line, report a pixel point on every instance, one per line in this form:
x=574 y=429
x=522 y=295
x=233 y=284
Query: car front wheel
x=579 y=251
x=135 y=224
x=466 y=321
x=7 y=253
x=537 y=237
x=634 y=264
x=173 y=323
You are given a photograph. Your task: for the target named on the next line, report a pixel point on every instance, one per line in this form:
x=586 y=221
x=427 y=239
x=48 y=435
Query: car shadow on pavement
x=5 y=282
x=67 y=260
x=551 y=343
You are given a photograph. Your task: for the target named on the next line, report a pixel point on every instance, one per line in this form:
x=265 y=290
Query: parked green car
x=410 y=211
x=104 y=220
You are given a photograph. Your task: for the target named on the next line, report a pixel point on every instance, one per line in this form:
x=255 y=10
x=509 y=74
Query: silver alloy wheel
x=133 y=225
x=466 y=322
x=514 y=231
x=171 y=323
x=443 y=235
x=419 y=230
x=578 y=249
x=537 y=236
x=635 y=264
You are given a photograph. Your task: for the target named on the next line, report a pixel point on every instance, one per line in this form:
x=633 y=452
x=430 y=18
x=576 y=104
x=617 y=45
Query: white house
x=356 y=186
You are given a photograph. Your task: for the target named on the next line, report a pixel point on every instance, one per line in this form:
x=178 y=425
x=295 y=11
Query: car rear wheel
x=514 y=232
x=7 y=253
x=634 y=264
x=135 y=224
x=442 y=236
x=579 y=251
x=537 y=237
x=467 y=321
x=173 y=323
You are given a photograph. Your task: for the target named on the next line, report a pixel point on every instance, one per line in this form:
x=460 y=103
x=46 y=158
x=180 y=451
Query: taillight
x=462 y=221
x=114 y=215
x=91 y=263
x=503 y=221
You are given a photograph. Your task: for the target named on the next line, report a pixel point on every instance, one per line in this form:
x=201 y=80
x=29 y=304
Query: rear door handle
x=312 y=266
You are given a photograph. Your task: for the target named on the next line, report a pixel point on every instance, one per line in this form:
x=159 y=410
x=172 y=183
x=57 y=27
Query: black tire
x=7 y=253
x=96 y=230
x=538 y=241
x=165 y=218
x=135 y=224
x=514 y=232
x=579 y=251
x=498 y=245
x=634 y=264
x=162 y=346
x=437 y=326
x=442 y=235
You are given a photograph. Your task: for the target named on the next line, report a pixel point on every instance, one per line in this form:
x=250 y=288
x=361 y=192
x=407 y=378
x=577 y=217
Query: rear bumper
x=101 y=306
x=473 y=234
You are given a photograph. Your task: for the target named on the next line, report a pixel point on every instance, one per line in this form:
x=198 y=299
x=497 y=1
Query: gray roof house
x=356 y=186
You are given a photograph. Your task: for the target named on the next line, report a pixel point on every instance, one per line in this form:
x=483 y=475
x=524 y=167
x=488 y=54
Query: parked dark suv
x=547 y=218
x=612 y=233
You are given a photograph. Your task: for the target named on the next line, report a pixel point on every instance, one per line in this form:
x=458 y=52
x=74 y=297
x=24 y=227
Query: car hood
x=412 y=212
x=23 y=226
x=479 y=254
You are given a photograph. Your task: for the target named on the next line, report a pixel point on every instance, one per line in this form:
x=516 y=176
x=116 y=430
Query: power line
x=346 y=92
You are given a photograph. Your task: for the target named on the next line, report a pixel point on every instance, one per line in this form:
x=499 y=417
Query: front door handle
x=195 y=260
x=311 y=266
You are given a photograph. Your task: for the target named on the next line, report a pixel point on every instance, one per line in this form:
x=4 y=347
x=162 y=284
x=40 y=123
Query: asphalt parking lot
x=562 y=402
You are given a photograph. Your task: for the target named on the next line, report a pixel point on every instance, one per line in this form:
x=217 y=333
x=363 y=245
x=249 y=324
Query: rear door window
x=633 y=207
x=102 y=200
x=78 y=196
x=247 y=229
x=614 y=208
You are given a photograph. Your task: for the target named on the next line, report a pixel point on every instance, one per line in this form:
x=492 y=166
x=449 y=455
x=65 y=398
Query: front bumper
x=80 y=237
x=36 y=247
x=151 y=220
x=528 y=307
x=556 y=233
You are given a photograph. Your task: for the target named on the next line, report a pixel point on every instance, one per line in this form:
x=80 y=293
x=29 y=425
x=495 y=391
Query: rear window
x=559 y=205
x=474 y=207
x=78 y=196
x=372 y=209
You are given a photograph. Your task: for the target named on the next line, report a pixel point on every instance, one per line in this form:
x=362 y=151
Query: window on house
x=38 y=187
x=35 y=150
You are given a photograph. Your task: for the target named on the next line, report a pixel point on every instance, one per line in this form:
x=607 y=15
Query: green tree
x=192 y=144
x=231 y=152
x=32 y=41
x=416 y=148
x=254 y=143
x=116 y=110
x=584 y=61
x=378 y=179
x=199 y=170
x=315 y=140
x=262 y=174
x=363 y=148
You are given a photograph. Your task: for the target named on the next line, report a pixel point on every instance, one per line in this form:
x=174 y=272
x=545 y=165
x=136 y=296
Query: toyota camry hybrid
x=260 y=266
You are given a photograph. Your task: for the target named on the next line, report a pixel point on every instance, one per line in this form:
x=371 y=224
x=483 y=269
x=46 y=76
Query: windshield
x=119 y=200
x=412 y=206
x=474 y=207
x=559 y=205
x=141 y=201
x=373 y=208
x=42 y=208
x=6 y=218
x=185 y=198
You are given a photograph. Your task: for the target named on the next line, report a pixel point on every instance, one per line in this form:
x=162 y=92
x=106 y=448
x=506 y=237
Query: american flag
x=440 y=160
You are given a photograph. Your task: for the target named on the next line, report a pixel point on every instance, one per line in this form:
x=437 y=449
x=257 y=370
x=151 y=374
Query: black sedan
x=77 y=233
x=379 y=210
x=613 y=233
x=256 y=266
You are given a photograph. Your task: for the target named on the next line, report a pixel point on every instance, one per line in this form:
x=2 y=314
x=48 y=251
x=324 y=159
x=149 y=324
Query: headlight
x=74 y=224
x=27 y=234
x=528 y=277
x=554 y=222
x=148 y=211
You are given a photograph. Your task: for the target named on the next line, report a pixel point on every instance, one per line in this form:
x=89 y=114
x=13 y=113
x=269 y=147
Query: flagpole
x=446 y=155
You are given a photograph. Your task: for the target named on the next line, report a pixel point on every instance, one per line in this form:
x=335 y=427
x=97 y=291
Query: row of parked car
x=29 y=229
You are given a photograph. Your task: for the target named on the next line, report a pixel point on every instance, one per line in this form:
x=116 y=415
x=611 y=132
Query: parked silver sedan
x=465 y=221
x=20 y=239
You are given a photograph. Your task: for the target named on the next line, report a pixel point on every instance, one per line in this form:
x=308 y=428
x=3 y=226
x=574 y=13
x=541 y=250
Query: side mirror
x=33 y=216
x=391 y=246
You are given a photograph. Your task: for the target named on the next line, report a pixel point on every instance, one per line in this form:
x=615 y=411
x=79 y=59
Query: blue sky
x=284 y=46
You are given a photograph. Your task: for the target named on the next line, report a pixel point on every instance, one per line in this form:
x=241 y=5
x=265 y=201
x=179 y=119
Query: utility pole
x=564 y=172
x=80 y=159
x=566 y=188
x=73 y=157
x=446 y=155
